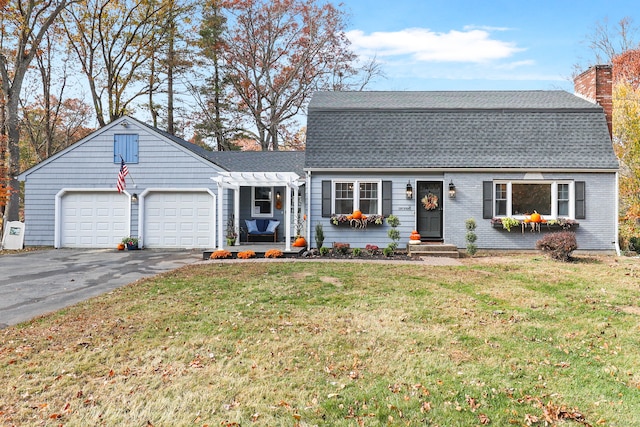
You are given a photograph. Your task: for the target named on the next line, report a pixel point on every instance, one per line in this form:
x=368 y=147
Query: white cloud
x=424 y=45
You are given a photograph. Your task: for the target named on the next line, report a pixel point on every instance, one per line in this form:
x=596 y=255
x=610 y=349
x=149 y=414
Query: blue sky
x=479 y=44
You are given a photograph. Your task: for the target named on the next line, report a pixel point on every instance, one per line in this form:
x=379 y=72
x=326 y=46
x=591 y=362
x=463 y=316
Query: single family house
x=436 y=159
x=432 y=159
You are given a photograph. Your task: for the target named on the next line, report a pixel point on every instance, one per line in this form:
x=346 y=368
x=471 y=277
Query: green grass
x=497 y=341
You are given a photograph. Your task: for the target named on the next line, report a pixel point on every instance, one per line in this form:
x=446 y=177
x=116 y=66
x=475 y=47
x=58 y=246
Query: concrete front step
x=435 y=250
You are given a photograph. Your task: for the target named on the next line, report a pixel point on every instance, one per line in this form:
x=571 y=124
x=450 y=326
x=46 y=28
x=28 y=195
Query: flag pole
x=132 y=180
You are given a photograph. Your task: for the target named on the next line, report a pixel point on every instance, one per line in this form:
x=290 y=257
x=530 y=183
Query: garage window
x=125 y=147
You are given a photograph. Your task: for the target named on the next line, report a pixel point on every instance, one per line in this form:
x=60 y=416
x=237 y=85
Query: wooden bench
x=262 y=228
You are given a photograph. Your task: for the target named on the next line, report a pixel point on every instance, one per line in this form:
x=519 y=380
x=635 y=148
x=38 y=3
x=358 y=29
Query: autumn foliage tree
x=276 y=53
x=23 y=25
x=626 y=137
x=113 y=41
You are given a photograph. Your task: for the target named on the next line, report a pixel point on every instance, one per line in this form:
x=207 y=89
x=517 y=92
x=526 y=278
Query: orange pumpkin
x=527 y=220
x=121 y=246
x=300 y=242
x=357 y=214
x=414 y=235
x=535 y=217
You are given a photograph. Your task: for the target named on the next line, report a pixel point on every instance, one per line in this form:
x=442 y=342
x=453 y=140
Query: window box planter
x=361 y=223
x=550 y=225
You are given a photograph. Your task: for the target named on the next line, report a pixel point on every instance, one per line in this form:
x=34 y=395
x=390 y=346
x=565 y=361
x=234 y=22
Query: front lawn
x=498 y=341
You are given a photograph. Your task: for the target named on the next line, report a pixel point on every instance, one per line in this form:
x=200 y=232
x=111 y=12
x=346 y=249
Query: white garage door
x=93 y=220
x=179 y=220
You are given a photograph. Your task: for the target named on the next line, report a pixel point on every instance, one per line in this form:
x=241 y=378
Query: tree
x=277 y=53
x=626 y=138
x=23 y=25
x=113 y=41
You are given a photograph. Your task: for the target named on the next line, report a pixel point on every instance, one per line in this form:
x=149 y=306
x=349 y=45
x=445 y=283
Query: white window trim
x=356 y=193
x=554 y=197
x=253 y=203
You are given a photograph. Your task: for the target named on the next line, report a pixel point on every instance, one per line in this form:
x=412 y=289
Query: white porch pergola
x=234 y=180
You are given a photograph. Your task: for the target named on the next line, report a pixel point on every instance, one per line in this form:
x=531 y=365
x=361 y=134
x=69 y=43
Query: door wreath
x=430 y=201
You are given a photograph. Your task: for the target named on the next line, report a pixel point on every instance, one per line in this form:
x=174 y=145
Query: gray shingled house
x=178 y=195
x=436 y=159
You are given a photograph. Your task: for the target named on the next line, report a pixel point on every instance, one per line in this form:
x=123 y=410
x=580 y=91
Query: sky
x=480 y=44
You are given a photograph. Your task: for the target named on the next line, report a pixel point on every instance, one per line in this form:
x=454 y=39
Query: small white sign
x=405 y=208
x=13 y=238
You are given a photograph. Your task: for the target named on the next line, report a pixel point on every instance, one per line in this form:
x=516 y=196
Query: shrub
x=388 y=251
x=324 y=251
x=246 y=254
x=558 y=245
x=319 y=235
x=471 y=237
x=273 y=253
x=393 y=233
x=634 y=244
x=341 y=248
x=220 y=254
x=357 y=251
x=372 y=249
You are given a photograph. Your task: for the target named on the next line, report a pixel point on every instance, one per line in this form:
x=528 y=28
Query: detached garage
x=178 y=218
x=91 y=218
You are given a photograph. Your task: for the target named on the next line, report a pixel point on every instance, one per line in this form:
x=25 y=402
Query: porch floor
x=259 y=248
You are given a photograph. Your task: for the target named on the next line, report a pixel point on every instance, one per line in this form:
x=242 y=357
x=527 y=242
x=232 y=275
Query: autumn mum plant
x=220 y=254
x=246 y=254
x=273 y=253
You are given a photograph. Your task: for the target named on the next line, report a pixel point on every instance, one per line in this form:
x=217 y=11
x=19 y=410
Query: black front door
x=429 y=208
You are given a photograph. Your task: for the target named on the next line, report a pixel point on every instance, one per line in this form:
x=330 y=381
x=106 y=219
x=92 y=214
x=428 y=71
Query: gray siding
x=596 y=231
x=89 y=164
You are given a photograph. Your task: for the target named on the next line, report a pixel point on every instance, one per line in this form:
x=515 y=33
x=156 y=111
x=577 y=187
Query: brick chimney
x=596 y=85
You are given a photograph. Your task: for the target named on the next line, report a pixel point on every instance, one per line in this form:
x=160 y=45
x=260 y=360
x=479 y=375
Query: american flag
x=124 y=171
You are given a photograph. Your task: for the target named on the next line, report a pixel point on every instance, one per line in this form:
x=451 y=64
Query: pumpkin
x=527 y=220
x=121 y=246
x=535 y=217
x=414 y=235
x=300 y=242
x=357 y=214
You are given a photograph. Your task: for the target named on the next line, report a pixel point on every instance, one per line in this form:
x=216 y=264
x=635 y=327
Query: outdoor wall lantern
x=278 y=200
x=409 y=191
x=124 y=124
x=452 y=190
x=134 y=198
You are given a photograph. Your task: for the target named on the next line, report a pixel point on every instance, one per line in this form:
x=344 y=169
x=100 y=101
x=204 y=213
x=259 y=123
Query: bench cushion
x=252 y=227
x=271 y=228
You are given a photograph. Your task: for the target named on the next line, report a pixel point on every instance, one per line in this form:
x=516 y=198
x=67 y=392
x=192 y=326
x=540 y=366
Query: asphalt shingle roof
x=245 y=161
x=479 y=129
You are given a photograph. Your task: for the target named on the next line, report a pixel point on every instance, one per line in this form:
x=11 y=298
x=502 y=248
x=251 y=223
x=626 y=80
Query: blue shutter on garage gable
x=125 y=145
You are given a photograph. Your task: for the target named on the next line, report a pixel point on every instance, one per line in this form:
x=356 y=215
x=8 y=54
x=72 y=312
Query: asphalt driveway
x=35 y=283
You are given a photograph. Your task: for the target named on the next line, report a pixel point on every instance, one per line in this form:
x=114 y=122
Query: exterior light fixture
x=134 y=198
x=409 y=191
x=452 y=190
x=124 y=124
x=278 y=200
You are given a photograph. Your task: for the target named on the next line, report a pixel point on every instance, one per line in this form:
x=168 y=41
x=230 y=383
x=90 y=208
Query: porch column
x=220 y=223
x=287 y=218
x=236 y=213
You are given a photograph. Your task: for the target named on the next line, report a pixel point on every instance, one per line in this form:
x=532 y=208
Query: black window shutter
x=580 y=200
x=487 y=199
x=386 y=198
x=326 y=199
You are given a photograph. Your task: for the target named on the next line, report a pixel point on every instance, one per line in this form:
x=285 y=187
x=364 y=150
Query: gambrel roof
x=541 y=130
